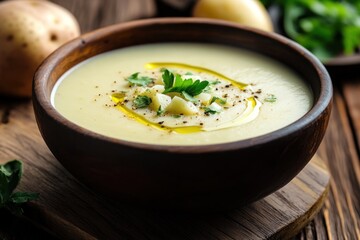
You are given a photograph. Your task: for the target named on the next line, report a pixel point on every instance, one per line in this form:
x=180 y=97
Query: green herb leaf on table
x=135 y=79
x=142 y=101
x=175 y=83
x=10 y=175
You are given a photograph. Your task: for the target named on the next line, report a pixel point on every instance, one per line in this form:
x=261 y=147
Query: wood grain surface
x=338 y=219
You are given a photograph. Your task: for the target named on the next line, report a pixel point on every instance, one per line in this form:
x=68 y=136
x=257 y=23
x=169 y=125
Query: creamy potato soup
x=181 y=94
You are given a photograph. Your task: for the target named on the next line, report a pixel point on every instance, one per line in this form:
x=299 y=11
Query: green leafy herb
x=159 y=112
x=175 y=83
x=142 y=101
x=189 y=97
x=215 y=82
x=326 y=27
x=271 y=98
x=210 y=110
x=176 y=116
x=10 y=175
x=222 y=101
x=135 y=79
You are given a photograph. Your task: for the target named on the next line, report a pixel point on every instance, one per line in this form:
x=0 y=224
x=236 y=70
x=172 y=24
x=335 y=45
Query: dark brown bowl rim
x=325 y=97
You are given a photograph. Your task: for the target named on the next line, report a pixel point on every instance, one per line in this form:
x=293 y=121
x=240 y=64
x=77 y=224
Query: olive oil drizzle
x=119 y=100
x=251 y=111
x=154 y=65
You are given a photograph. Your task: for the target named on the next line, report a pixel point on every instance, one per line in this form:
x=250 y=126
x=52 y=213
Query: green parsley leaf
x=10 y=175
x=215 y=82
x=135 y=79
x=189 y=97
x=159 y=112
x=209 y=110
x=271 y=98
x=325 y=27
x=175 y=83
x=222 y=101
x=142 y=101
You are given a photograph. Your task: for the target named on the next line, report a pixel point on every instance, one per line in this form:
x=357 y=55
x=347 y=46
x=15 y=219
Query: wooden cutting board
x=71 y=211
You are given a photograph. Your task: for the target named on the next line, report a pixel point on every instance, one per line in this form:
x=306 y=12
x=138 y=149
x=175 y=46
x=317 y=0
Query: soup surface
x=181 y=94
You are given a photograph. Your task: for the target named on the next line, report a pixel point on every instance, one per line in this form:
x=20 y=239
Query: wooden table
x=340 y=215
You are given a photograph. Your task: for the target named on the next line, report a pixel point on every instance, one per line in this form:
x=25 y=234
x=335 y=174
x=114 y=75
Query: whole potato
x=29 y=32
x=247 y=12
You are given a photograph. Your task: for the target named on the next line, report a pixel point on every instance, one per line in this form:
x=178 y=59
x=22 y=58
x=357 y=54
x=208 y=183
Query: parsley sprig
x=188 y=87
x=10 y=175
x=142 y=101
x=135 y=79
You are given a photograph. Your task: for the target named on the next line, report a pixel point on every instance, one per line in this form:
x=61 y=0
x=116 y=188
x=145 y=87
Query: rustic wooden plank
x=99 y=13
x=351 y=90
x=340 y=216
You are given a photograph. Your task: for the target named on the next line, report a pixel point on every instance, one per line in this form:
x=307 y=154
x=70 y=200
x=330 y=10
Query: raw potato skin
x=247 y=12
x=29 y=32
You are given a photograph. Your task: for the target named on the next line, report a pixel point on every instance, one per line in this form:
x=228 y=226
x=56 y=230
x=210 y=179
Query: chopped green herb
x=215 y=82
x=271 y=98
x=142 y=101
x=159 y=112
x=189 y=97
x=176 y=116
x=175 y=83
x=135 y=79
x=189 y=73
x=10 y=175
x=210 y=110
x=222 y=101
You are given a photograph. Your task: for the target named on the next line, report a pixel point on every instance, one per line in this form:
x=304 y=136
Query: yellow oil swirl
x=249 y=114
x=119 y=100
x=154 y=65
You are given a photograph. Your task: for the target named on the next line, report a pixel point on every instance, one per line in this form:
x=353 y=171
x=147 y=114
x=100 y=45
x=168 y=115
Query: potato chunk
x=181 y=106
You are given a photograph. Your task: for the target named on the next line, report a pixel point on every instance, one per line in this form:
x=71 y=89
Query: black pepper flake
x=114 y=81
x=162 y=126
x=112 y=90
x=217 y=119
x=96 y=86
x=99 y=94
x=184 y=121
x=126 y=100
x=256 y=96
x=227 y=86
x=161 y=122
x=201 y=124
x=216 y=89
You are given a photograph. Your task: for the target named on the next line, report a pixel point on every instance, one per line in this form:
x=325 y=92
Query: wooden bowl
x=189 y=177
